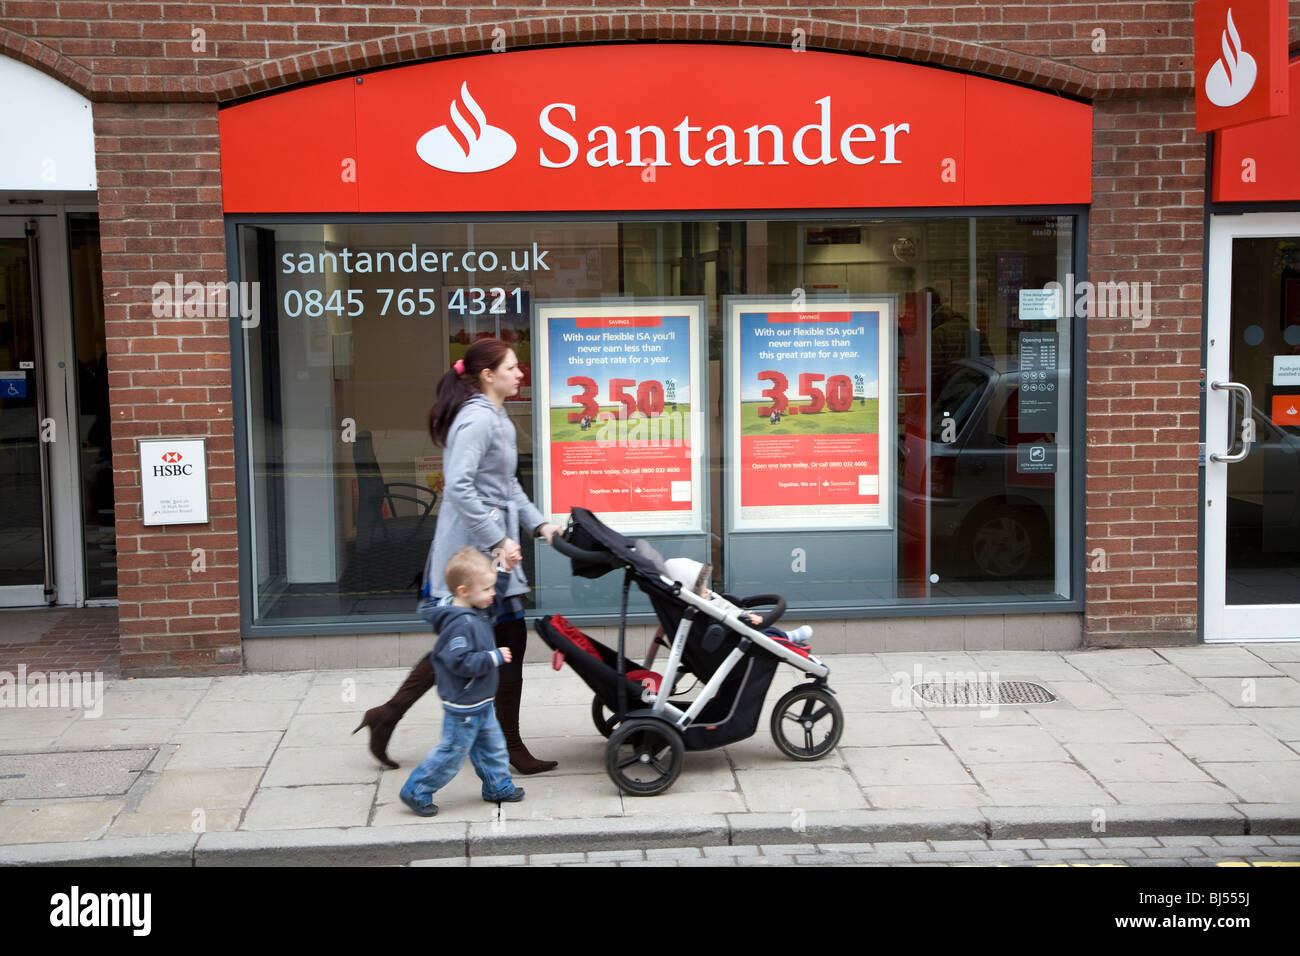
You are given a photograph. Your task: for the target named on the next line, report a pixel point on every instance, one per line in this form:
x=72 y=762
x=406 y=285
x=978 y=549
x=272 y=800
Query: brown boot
x=507 y=706
x=382 y=720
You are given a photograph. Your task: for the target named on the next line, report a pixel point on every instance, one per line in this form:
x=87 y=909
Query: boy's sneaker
x=801 y=636
x=425 y=811
x=516 y=795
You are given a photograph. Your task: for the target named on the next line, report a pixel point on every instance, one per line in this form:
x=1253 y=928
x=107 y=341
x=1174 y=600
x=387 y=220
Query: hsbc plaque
x=174 y=480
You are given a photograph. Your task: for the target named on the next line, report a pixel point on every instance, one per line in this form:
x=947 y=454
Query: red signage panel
x=658 y=126
x=1241 y=73
x=1257 y=163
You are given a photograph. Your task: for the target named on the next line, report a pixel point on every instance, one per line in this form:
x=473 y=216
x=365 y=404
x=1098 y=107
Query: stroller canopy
x=604 y=549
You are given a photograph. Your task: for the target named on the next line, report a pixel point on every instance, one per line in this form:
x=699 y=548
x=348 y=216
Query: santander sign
x=755 y=145
x=655 y=126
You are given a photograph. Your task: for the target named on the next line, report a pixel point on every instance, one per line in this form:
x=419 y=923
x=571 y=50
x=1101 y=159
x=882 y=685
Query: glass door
x=26 y=567
x=1252 y=395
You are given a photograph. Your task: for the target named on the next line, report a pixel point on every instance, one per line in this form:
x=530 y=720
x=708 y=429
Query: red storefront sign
x=1240 y=60
x=1257 y=163
x=656 y=126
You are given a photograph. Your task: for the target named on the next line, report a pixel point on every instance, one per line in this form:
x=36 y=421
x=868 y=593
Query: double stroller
x=647 y=720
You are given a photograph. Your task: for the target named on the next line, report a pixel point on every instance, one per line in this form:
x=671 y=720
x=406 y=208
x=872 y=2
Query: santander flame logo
x=1233 y=75
x=468 y=144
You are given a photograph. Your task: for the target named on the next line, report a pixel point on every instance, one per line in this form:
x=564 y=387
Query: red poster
x=811 y=412
x=619 y=427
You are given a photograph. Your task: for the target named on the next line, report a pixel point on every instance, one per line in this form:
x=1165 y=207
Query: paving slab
x=1142 y=793
x=1083 y=695
x=65 y=774
x=1143 y=680
x=331 y=805
x=126 y=699
x=1222 y=661
x=1288 y=651
x=230 y=715
x=1178 y=709
x=903 y=766
x=1040 y=784
x=161 y=823
x=221 y=751
x=125 y=732
x=298 y=766
x=56 y=822
x=1006 y=744
x=888 y=730
x=812 y=787
x=188 y=790
x=1076 y=727
x=1252 y=692
x=927 y=797
x=1282 y=722
x=1147 y=763
x=1213 y=744
x=1260 y=782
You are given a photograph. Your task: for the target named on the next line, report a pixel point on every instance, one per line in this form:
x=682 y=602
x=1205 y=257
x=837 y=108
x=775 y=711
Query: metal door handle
x=1246 y=397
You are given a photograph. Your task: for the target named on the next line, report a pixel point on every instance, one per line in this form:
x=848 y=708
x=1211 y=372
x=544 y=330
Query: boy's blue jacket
x=465 y=657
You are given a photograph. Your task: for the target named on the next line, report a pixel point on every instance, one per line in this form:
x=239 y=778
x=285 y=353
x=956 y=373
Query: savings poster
x=811 y=405
x=622 y=426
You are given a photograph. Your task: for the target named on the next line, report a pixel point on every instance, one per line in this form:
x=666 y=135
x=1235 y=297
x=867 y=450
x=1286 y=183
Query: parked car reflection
x=988 y=522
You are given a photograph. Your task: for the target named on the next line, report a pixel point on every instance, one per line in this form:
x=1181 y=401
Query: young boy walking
x=466 y=665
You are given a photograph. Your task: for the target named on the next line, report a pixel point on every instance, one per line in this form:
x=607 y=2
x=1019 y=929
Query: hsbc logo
x=468 y=144
x=172 y=466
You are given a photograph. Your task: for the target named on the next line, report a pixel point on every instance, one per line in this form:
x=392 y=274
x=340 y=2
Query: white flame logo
x=1232 y=77
x=1293 y=411
x=467 y=145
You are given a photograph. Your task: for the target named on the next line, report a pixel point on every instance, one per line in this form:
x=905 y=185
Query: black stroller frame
x=648 y=732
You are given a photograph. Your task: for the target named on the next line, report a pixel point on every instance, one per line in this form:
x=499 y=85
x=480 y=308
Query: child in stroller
x=686 y=571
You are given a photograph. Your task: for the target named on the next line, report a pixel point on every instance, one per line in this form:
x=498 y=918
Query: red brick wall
x=156 y=102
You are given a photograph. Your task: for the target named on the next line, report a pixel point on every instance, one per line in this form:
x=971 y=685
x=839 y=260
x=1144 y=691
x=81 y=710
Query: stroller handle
x=561 y=545
x=758 y=600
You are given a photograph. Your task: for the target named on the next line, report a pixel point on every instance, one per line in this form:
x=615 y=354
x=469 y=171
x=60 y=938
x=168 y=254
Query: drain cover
x=71 y=773
x=983 y=693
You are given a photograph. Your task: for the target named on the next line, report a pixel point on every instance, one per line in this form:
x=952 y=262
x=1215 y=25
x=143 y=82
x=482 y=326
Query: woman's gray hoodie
x=483 y=501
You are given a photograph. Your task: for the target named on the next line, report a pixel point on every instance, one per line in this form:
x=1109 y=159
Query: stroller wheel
x=807 y=723
x=644 y=756
x=602 y=717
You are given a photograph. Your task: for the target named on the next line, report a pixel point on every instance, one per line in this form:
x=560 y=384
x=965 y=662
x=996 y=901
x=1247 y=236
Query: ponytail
x=460 y=384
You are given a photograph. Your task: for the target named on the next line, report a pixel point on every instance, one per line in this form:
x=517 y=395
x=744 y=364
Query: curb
x=397 y=845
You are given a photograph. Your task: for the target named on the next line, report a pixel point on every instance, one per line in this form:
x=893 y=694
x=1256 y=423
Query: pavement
x=1196 y=744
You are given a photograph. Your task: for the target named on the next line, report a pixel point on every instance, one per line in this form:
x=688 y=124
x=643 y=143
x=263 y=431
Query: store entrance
x=57 y=539
x=26 y=546
x=1251 y=510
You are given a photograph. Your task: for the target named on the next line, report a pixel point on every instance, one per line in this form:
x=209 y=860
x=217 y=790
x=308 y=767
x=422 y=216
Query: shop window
x=955 y=415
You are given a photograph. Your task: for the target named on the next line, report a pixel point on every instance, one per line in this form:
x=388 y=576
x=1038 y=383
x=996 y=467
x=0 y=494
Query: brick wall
x=158 y=72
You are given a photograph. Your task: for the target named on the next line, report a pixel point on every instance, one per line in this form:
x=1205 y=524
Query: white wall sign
x=1040 y=305
x=174 y=480
x=1286 y=369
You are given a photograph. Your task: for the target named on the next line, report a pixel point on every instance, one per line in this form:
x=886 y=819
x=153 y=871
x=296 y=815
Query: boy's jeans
x=476 y=735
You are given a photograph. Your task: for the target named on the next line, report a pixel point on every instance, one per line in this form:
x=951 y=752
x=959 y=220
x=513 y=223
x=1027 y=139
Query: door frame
x=1224 y=623
x=59 y=376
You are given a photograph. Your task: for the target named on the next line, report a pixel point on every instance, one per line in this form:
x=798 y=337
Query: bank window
x=853 y=413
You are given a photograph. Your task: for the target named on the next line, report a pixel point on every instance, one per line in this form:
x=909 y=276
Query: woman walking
x=484 y=507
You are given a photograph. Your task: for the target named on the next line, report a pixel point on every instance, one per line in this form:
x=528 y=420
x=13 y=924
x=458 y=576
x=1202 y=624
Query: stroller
x=648 y=727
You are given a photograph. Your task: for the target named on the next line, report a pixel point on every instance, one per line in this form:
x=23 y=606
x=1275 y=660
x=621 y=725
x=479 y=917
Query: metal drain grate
x=966 y=693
